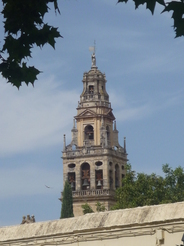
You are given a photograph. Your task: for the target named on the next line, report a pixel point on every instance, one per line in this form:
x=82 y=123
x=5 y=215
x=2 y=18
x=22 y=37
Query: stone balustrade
x=93 y=151
x=93 y=192
x=90 y=98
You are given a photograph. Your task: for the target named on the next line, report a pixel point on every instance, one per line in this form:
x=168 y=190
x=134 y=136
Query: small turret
x=64 y=142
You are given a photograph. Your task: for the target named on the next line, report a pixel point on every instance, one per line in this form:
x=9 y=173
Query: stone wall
x=145 y=226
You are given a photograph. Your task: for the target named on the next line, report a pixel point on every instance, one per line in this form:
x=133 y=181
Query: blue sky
x=143 y=63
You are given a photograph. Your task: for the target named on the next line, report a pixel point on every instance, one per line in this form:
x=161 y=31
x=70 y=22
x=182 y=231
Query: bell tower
x=94 y=162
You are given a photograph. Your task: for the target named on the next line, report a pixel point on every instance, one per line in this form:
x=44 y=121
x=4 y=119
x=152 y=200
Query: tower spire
x=64 y=142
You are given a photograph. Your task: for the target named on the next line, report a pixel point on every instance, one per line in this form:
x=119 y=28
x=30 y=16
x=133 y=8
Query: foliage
x=87 y=209
x=177 y=7
x=67 y=202
x=100 y=207
x=24 y=27
x=174 y=183
x=142 y=189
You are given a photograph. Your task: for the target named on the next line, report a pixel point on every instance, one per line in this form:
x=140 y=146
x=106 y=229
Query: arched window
x=117 y=184
x=71 y=180
x=85 y=176
x=89 y=132
x=91 y=89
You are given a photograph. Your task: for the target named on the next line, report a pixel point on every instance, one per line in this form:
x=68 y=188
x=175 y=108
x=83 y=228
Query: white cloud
x=133 y=113
x=156 y=62
x=33 y=117
x=139 y=108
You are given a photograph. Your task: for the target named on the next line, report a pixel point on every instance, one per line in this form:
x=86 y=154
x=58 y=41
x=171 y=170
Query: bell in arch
x=99 y=184
x=85 y=182
x=72 y=185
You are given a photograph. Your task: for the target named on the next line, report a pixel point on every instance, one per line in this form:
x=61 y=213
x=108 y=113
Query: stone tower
x=94 y=162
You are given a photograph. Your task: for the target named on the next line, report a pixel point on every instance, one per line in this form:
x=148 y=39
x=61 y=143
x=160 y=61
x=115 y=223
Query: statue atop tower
x=94 y=162
x=93 y=57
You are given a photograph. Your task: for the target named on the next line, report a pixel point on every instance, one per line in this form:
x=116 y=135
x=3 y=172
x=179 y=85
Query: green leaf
x=16 y=74
x=150 y=4
x=29 y=74
x=24 y=27
x=178 y=12
x=121 y=1
x=17 y=49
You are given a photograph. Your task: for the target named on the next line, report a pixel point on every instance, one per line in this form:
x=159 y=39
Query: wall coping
x=103 y=221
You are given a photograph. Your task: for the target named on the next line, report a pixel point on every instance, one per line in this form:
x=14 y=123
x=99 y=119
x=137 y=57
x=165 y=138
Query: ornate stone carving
x=28 y=219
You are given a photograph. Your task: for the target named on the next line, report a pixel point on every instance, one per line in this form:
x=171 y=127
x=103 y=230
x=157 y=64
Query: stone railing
x=92 y=192
x=91 y=97
x=93 y=151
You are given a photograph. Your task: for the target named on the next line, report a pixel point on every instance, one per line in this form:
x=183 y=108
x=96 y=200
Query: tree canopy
x=140 y=189
x=67 y=202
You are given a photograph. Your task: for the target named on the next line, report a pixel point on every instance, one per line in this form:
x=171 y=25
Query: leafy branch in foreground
x=175 y=6
x=24 y=27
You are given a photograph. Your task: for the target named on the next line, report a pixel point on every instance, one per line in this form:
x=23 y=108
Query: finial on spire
x=93 y=56
x=94 y=46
